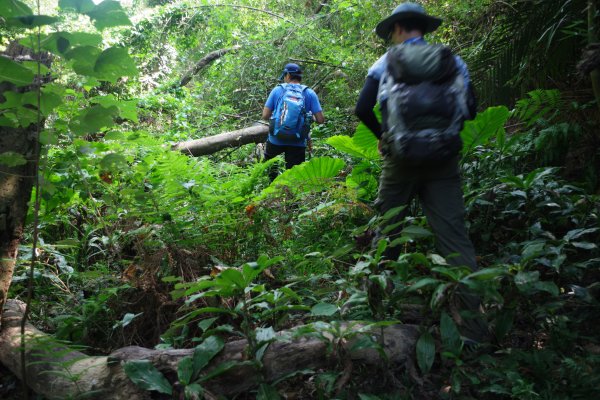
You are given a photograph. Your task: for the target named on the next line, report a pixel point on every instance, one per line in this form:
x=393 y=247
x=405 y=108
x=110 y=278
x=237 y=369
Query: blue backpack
x=289 y=121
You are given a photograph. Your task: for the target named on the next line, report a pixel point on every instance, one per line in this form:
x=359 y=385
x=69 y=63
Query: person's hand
x=309 y=145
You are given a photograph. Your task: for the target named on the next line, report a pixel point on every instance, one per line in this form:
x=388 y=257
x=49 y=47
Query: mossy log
x=58 y=371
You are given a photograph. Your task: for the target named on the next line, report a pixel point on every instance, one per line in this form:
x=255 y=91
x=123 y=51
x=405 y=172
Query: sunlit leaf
x=107 y=14
x=114 y=63
x=14 y=72
x=14 y=8
x=80 y=6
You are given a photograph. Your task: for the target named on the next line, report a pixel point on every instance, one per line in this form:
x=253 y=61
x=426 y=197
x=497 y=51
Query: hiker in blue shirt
x=294 y=149
x=436 y=185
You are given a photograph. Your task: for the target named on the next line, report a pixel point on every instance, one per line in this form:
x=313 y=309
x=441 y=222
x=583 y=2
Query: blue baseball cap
x=407 y=11
x=291 y=68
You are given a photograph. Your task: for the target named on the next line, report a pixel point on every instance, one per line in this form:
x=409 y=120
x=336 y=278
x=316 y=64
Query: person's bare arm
x=266 y=114
x=319 y=118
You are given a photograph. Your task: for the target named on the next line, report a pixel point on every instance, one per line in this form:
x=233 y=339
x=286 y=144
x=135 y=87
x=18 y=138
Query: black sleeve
x=364 y=106
x=471 y=101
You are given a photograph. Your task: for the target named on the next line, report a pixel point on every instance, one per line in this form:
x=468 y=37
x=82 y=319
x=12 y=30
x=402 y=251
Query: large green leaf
x=486 y=125
x=14 y=72
x=13 y=8
x=30 y=21
x=93 y=120
x=107 y=14
x=185 y=370
x=80 y=6
x=83 y=59
x=425 y=352
x=309 y=176
x=205 y=352
x=127 y=108
x=60 y=42
x=450 y=335
x=114 y=63
x=146 y=376
x=362 y=145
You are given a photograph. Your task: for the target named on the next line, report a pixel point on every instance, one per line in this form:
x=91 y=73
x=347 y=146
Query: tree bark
x=57 y=372
x=212 y=144
x=16 y=182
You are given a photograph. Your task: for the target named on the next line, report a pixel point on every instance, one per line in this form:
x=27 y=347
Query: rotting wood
x=52 y=366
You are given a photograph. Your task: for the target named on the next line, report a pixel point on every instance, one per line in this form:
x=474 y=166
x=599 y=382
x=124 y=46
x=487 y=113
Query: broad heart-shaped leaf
x=13 y=8
x=49 y=100
x=80 y=6
x=309 y=176
x=146 y=376
x=450 y=335
x=114 y=63
x=93 y=119
x=83 y=59
x=127 y=108
x=425 y=352
x=12 y=159
x=107 y=14
x=478 y=131
x=205 y=352
x=31 y=21
x=14 y=72
x=60 y=42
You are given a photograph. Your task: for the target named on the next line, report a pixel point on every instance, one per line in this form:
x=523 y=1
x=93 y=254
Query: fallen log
x=57 y=372
x=212 y=144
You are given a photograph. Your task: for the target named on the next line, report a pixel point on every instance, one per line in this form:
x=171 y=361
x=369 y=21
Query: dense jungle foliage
x=136 y=244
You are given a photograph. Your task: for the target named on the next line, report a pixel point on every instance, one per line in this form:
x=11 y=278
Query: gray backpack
x=425 y=104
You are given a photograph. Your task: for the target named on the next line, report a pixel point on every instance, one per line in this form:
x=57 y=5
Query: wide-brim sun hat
x=403 y=12
x=291 y=68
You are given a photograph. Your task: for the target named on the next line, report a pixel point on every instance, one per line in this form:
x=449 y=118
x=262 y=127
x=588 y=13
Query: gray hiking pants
x=439 y=192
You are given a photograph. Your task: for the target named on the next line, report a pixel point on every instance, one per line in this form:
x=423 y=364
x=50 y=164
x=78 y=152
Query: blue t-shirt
x=311 y=103
x=380 y=66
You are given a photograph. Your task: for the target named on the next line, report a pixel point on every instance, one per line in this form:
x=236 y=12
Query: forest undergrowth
x=142 y=245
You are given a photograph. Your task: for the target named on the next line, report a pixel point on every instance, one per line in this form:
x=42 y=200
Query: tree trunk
x=57 y=372
x=212 y=144
x=17 y=181
x=15 y=192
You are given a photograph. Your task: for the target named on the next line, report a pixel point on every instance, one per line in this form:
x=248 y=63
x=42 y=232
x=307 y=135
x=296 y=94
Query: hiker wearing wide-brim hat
x=437 y=184
x=407 y=11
